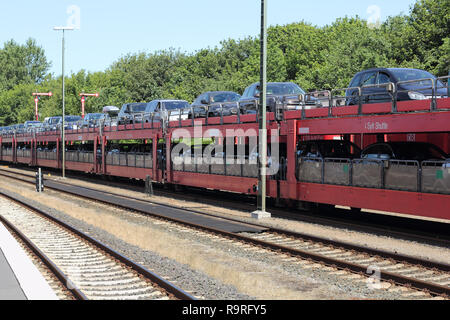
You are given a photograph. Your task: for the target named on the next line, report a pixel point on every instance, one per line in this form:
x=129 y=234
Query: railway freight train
x=316 y=155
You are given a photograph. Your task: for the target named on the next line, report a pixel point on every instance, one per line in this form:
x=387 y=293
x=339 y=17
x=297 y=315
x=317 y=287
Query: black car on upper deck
x=416 y=151
x=411 y=84
x=286 y=94
x=334 y=149
x=213 y=103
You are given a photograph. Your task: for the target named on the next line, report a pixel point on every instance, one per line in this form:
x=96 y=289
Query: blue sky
x=111 y=29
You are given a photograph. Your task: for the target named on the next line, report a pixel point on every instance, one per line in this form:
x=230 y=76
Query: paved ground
x=9 y=286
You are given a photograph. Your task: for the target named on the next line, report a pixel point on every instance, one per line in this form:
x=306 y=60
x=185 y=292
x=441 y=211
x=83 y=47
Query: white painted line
x=33 y=284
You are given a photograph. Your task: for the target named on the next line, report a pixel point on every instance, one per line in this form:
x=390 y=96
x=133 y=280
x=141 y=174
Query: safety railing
x=229 y=166
x=130 y=159
x=23 y=153
x=436 y=177
x=417 y=92
x=80 y=156
x=310 y=169
x=337 y=171
x=46 y=155
x=7 y=152
x=400 y=175
x=403 y=175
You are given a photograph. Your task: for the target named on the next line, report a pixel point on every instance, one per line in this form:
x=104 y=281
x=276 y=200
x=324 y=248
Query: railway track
x=429 y=232
x=88 y=269
x=428 y=276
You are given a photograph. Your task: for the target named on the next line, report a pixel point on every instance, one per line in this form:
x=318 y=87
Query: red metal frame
x=413 y=117
x=412 y=203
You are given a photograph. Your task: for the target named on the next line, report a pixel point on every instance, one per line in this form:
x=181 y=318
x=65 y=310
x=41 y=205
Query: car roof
x=386 y=69
x=168 y=100
x=285 y=82
x=218 y=92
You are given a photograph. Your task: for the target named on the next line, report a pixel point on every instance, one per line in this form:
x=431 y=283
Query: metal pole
x=64 y=112
x=63 y=29
x=262 y=162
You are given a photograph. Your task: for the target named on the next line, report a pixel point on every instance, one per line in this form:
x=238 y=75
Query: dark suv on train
x=418 y=151
x=333 y=149
x=285 y=93
x=377 y=93
x=134 y=112
x=213 y=103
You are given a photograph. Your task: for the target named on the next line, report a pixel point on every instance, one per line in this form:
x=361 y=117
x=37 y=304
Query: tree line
x=313 y=57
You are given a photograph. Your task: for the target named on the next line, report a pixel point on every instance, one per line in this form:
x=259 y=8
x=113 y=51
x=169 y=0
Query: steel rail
x=170 y=288
x=345 y=245
x=62 y=277
x=433 y=288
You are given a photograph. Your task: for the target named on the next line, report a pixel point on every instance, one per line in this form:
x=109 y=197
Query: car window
x=282 y=89
x=383 y=78
x=137 y=107
x=225 y=97
x=411 y=74
x=174 y=105
x=72 y=119
x=246 y=93
x=96 y=116
x=252 y=92
x=369 y=79
x=356 y=81
x=377 y=150
x=152 y=106
x=374 y=150
x=200 y=98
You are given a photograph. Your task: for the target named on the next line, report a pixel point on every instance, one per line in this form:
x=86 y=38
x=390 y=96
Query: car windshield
x=72 y=119
x=225 y=97
x=96 y=116
x=412 y=74
x=135 y=108
x=173 y=105
x=32 y=124
x=282 y=89
x=54 y=120
x=418 y=151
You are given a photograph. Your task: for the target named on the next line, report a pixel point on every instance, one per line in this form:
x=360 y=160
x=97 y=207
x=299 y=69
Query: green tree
x=353 y=47
x=22 y=64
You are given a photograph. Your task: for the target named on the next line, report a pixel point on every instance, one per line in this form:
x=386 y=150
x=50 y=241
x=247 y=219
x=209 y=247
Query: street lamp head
x=63 y=28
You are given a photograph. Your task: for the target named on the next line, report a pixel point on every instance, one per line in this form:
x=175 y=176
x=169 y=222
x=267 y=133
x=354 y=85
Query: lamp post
x=63 y=29
x=262 y=162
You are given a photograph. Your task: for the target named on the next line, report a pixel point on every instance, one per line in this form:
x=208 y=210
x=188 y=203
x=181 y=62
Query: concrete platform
x=19 y=278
